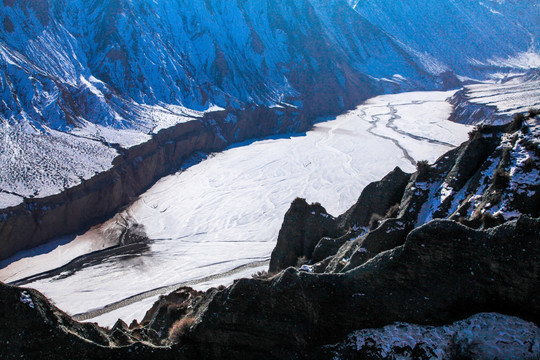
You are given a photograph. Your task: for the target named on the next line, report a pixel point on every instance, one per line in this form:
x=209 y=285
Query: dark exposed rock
x=327 y=246
x=167 y=309
x=304 y=225
x=443 y=272
x=32 y=328
x=376 y=198
x=390 y=234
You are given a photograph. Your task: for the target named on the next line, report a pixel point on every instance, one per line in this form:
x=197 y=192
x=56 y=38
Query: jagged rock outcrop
x=32 y=328
x=444 y=272
x=376 y=199
x=303 y=226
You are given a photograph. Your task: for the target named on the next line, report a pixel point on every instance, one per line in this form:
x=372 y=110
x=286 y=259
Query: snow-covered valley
x=152 y=153
x=218 y=219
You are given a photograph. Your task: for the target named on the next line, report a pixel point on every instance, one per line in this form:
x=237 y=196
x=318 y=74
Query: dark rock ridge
x=377 y=198
x=38 y=220
x=443 y=272
x=33 y=328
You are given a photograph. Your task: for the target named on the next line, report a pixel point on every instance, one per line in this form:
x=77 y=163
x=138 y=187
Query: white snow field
x=225 y=212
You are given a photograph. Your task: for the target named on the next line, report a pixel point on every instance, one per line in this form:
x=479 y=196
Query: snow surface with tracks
x=225 y=212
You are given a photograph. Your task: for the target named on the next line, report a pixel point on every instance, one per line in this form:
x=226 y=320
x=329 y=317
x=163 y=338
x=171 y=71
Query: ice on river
x=226 y=211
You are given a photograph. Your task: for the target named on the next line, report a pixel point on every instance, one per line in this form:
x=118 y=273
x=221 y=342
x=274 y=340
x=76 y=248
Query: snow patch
x=27 y=299
x=483 y=336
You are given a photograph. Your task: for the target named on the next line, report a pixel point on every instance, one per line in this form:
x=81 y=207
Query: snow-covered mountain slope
x=97 y=60
x=463 y=36
x=495 y=103
x=115 y=71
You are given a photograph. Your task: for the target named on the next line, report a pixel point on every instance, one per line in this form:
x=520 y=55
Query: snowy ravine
x=226 y=211
x=495 y=103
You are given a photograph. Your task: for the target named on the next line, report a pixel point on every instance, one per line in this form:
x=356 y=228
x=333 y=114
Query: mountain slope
x=117 y=71
x=470 y=38
x=86 y=86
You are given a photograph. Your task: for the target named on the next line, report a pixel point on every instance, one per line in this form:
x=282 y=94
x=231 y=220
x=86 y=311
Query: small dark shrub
x=494 y=197
x=533 y=113
x=180 y=328
x=375 y=220
x=392 y=211
x=528 y=165
x=423 y=167
x=531 y=145
x=517 y=122
x=478 y=130
x=302 y=260
x=501 y=178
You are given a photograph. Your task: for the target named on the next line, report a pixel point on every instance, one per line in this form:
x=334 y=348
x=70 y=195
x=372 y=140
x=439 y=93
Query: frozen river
x=219 y=219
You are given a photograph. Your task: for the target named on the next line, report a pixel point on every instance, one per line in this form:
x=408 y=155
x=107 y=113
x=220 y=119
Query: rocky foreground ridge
x=447 y=253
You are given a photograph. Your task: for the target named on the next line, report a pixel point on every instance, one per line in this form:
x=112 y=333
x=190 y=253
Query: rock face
x=439 y=275
x=419 y=265
x=38 y=220
x=33 y=328
x=376 y=199
x=304 y=225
